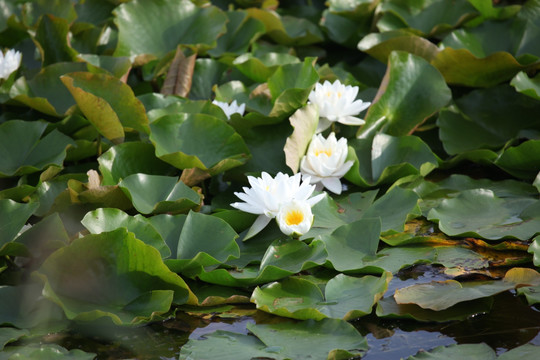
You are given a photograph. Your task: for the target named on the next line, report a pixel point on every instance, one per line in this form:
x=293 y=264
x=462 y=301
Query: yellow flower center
x=328 y=152
x=339 y=94
x=294 y=217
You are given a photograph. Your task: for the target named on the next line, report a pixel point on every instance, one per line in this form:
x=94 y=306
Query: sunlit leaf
x=196 y=140
x=400 y=105
x=104 y=220
x=159 y=194
x=140 y=31
x=440 y=295
x=526 y=85
x=44 y=352
x=481 y=213
x=304 y=121
x=344 y=297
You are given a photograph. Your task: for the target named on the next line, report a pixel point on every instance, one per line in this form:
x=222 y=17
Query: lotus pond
x=260 y=179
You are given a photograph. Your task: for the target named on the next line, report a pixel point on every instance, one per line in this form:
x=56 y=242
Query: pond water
x=510 y=323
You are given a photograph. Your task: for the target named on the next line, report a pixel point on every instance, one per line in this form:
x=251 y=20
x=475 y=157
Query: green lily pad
x=104 y=220
x=287 y=30
x=130 y=158
x=480 y=213
x=388 y=308
x=198 y=141
x=122 y=279
x=385 y=158
x=522 y=160
x=344 y=297
x=29 y=152
x=458 y=351
x=141 y=32
x=52 y=40
x=525 y=85
x=45 y=92
x=107 y=103
x=44 y=352
x=242 y=30
x=329 y=338
x=440 y=295
x=13 y=216
x=400 y=105
x=204 y=241
x=159 y=194
x=525 y=352
x=8 y=335
x=428 y=18
x=260 y=68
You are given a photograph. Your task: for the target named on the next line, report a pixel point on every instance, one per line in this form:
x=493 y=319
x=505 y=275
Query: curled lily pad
x=29 y=152
x=440 y=295
x=119 y=277
x=198 y=141
x=159 y=194
x=344 y=297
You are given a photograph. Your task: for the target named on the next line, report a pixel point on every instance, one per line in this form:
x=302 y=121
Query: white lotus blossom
x=295 y=218
x=325 y=162
x=337 y=102
x=230 y=109
x=267 y=195
x=9 y=62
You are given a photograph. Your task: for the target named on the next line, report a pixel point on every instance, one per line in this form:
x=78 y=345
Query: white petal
x=324 y=124
x=351 y=120
x=333 y=184
x=259 y=224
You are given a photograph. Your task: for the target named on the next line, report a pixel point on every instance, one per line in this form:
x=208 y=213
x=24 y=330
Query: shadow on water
x=510 y=323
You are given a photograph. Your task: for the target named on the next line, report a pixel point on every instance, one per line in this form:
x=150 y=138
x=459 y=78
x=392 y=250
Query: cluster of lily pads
x=130 y=130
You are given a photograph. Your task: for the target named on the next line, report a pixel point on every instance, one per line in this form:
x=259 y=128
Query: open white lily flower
x=268 y=194
x=325 y=162
x=233 y=108
x=9 y=62
x=295 y=218
x=337 y=102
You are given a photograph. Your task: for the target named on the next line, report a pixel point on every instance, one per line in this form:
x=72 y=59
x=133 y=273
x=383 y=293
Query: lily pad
x=29 y=152
x=44 y=352
x=480 y=213
x=400 y=105
x=122 y=279
x=440 y=295
x=104 y=220
x=344 y=297
x=141 y=32
x=159 y=194
x=196 y=140
x=458 y=351
x=13 y=216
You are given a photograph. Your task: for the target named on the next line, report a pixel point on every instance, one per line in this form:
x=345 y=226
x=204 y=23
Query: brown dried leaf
x=180 y=75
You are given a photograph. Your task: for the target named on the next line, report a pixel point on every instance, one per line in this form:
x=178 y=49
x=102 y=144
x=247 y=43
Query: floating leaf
x=8 y=335
x=52 y=40
x=141 y=32
x=344 y=297
x=104 y=220
x=29 y=152
x=458 y=351
x=481 y=213
x=196 y=140
x=45 y=92
x=159 y=194
x=526 y=85
x=400 y=101
x=107 y=103
x=522 y=160
x=45 y=351
x=381 y=45
x=130 y=158
x=204 y=241
x=440 y=295
x=119 y=277
x=242 y=30
x=13 y=216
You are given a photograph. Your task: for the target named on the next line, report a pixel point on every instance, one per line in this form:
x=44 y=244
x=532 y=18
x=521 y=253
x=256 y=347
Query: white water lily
x=337 y=102
x=325 y=163
x=268 y=194
x=9 y=62
x=295 y=218
x=233 y=108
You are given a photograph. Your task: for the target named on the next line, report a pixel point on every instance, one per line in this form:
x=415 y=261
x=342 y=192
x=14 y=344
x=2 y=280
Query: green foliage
x=117 y=175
